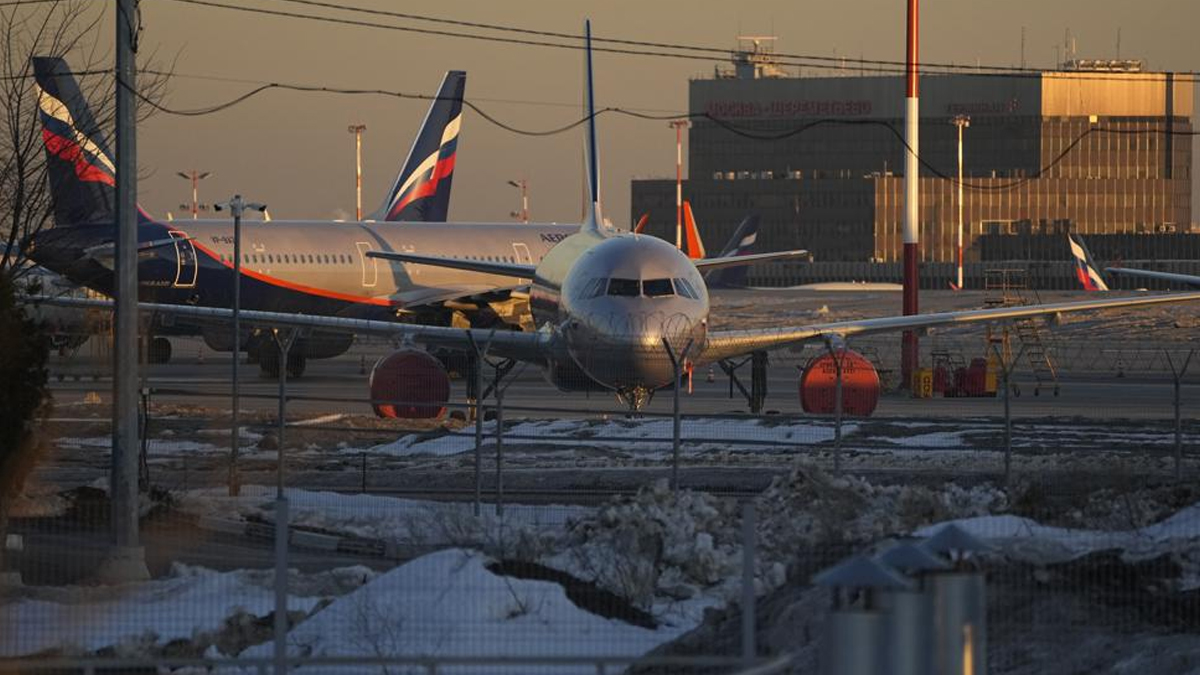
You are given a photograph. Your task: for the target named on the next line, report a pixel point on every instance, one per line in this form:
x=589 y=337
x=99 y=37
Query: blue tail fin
x=1085 y=268
x=741 y=243
x=422 y=190
x=79 y=163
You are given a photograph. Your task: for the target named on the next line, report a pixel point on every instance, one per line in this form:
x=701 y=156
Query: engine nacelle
x=860 y=384
x=411 y=384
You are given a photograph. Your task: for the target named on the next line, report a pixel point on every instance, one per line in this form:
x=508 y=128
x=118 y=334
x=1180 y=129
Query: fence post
x=499 y=448
x=1005 y=376
x=478 y=354
x=281 y=583
x=676 y=430
x=1177 y=374
x=749 y=540
x=838 y=359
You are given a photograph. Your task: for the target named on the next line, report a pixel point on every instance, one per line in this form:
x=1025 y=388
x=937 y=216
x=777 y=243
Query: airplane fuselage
x=311 y=267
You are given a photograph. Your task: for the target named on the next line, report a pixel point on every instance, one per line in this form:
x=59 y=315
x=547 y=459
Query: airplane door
x=185 y=260
x=370 y=273
x=522 y=251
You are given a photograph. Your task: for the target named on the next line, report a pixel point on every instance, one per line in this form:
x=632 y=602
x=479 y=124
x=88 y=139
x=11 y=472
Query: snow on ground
x=1026 y=539
x=650 y=437
x=191 y=601
x=449 y=604
x=403 y=521
x=154 y=446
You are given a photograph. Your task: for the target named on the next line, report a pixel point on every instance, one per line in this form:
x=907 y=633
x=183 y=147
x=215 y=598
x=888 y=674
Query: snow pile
x=810 y=508
x=643 y=436
x=449 y=604
x=659 y=547
x=193 y=603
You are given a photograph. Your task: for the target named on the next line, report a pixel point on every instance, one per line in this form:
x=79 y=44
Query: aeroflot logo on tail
x=66 y=142
x=423 y=181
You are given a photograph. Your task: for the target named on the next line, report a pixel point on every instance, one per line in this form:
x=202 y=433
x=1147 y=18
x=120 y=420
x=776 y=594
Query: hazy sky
x=292 y=150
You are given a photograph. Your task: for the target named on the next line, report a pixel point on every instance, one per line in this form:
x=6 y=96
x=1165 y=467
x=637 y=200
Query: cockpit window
x=686 y=289
x=630 y=288
x=657 y=288
x=595 y=288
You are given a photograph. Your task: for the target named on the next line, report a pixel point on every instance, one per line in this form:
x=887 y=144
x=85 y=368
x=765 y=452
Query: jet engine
x=860 y=384
x=410 y=384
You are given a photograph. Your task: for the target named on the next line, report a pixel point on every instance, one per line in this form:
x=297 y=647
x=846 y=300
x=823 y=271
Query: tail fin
x=695 y=245
x=594 y=220
x=422 y=190
x=78 y=161
x=1085 y=268
x=741 y=243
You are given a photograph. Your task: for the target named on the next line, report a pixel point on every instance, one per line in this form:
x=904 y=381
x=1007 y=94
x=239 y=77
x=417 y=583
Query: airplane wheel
x=1016 y=390
x=268 y=363
x=1056 y=390
x=160 y=350
x=296 y=364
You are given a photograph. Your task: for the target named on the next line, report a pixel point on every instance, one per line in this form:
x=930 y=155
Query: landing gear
x=756 y=396
x=160 y=350
x=268 y=364
x=635 y=398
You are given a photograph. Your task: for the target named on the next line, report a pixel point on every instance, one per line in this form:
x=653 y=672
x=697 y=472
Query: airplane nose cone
x=629 y=349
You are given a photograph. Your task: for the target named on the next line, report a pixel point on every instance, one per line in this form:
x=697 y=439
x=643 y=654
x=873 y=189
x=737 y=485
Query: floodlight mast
x=236 y=207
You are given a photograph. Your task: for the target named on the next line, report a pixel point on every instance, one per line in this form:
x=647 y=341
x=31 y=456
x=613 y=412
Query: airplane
x=622 y=311
x=1090 y=278
x=315 y=267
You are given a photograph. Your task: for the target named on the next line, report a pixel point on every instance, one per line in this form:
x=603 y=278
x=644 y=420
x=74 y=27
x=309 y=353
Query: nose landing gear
x=635 y=398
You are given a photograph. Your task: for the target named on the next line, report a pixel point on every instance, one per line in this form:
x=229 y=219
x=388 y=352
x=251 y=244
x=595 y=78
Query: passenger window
x=657 y=288
x=630 y=288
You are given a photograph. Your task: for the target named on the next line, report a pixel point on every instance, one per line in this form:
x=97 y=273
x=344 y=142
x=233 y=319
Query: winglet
x=593 y=221
x=641 y=223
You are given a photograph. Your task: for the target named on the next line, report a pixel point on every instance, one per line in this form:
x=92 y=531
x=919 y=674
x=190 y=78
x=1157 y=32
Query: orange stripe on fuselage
x=291 y=285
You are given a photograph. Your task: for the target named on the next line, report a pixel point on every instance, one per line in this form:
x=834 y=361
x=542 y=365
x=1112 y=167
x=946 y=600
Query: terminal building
x=1098 y=148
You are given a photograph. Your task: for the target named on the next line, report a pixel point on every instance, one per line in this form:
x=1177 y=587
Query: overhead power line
x=638 y=47
x=724 y=124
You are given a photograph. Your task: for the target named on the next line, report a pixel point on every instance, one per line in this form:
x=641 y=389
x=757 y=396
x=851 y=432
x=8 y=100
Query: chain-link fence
x=515 y=527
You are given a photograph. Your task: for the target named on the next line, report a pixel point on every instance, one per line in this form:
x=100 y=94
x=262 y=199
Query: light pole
x=960 y=121
x=236 y=206
x=357 y=130
x=679 y=126
x=195 y=177
x=523 y=214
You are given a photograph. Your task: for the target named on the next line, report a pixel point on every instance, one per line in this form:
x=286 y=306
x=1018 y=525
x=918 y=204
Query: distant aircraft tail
x=79 y=163
x=694 y=245
x=421 y=192
x=1085 y=268
x=741 y=243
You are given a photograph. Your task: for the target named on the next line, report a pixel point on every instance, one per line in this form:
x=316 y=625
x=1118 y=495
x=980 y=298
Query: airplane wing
x=468 y=293
x=739 y=260
x=726 y=344
x=518 y=270
x=510 y=344
x=1185 y=279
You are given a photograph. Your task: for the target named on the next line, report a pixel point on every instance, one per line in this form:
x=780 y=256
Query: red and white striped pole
x=910 y=355
x=679 y=125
